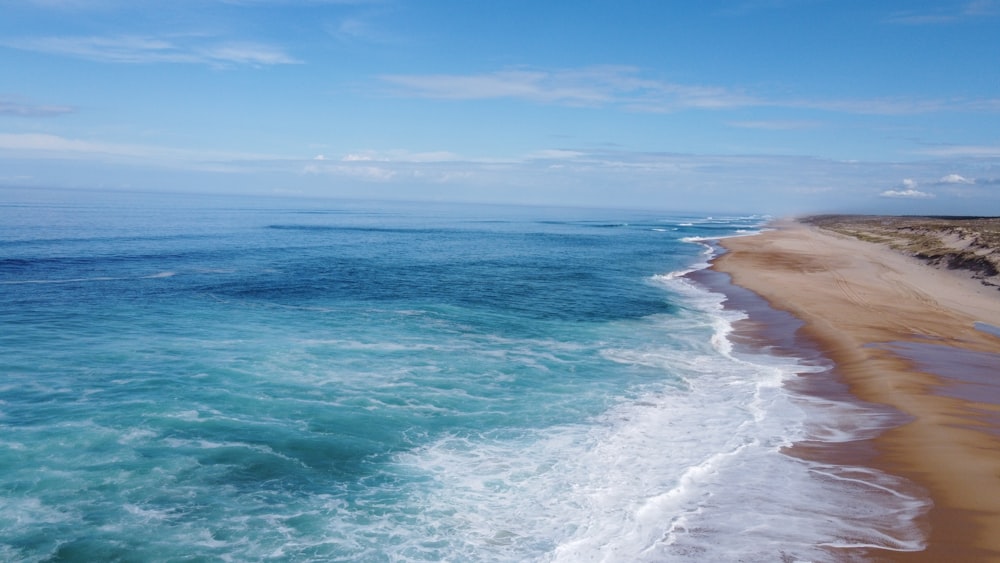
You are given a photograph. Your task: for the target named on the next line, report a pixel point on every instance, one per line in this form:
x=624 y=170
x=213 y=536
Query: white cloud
x=956 y=179
x=396 y=165
x=245 y=53
x=351 y=29
x=357 y=157
x=974 y=9
x=590 y=86
x=297 y=2
x=46 y=146
x=528 y=85
x=909 y=191
x=26 y=109
x=909 y=194
x=429 y=156
x=964 y=151
x=595 y=176
x=362 y=28
x=627 y=88
x=914 y=18
x=776 y=125
x=40 y=142
x=69 y=4
x=982 y=8
x=400 y=156
x=887 y=106
x=364 y=172
x=397 y=174
x=141 y=49
x=555 y=154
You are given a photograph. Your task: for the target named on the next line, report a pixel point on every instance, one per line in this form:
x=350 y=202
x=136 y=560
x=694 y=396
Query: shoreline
x=902 y=335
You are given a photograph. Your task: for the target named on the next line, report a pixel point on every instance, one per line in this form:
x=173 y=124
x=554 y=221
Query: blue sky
x=775 y=106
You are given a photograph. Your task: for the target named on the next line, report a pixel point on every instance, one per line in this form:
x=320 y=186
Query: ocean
x=202 y=378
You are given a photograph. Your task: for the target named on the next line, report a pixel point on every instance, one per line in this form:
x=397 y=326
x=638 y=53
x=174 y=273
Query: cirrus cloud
x=46 y=146
x=19 y=108
x=146 y=49
x=628 y=88
x=944 y=14
x=964 y=151
x=589 y=86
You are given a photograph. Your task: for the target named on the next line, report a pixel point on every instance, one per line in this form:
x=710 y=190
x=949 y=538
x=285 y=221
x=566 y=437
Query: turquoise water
x=196 y=378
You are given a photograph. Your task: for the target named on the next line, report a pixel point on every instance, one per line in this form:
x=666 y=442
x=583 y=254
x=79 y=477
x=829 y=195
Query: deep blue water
x=200 y=378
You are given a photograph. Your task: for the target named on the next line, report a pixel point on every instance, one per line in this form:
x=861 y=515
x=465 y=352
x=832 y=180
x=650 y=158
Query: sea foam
x=691 y=471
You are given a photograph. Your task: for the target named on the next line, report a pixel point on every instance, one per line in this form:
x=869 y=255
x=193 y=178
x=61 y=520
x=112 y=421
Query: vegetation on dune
x=956 y=243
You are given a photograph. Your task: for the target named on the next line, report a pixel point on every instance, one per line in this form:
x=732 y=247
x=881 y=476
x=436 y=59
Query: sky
x=743 y=106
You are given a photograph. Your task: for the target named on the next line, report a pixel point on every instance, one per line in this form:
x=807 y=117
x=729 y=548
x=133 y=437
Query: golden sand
x=903 y=334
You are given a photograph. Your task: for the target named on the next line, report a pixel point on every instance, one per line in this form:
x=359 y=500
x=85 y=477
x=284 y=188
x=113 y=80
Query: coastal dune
x=902 y=333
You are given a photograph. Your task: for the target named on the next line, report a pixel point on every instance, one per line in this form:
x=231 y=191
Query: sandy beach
x=902 y=333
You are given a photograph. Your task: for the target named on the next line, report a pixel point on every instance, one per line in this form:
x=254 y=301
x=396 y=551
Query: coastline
x=904 y=335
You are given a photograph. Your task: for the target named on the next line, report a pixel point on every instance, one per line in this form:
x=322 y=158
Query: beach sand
x=903 y=334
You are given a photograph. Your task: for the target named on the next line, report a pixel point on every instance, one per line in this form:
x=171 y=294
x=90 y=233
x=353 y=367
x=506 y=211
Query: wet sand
x=901 y=334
